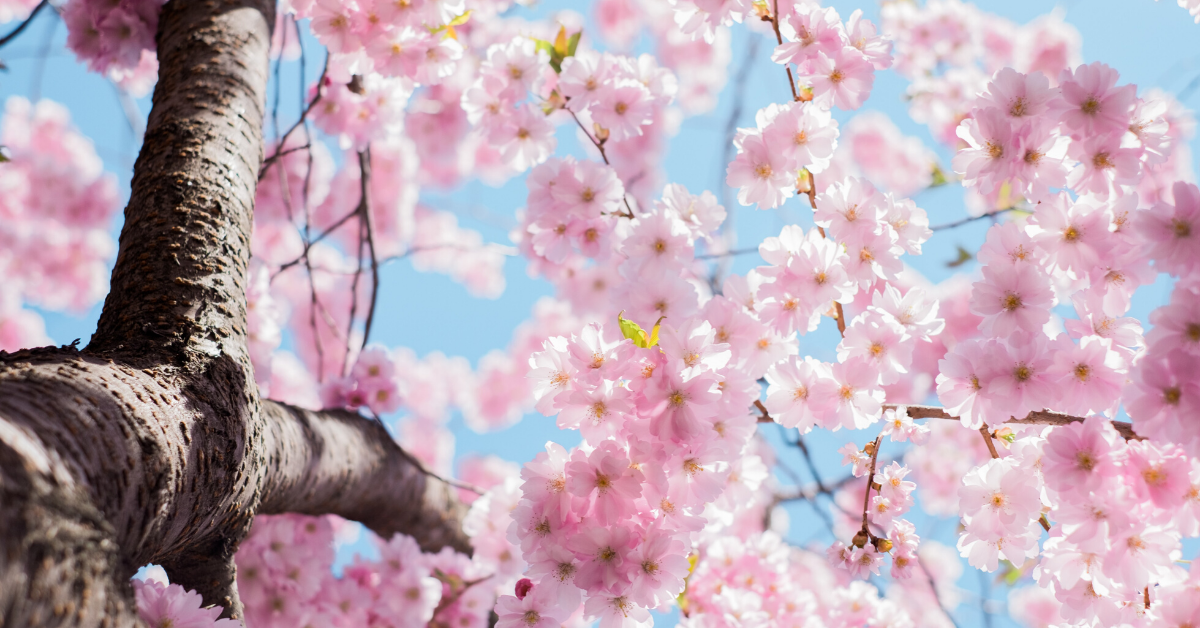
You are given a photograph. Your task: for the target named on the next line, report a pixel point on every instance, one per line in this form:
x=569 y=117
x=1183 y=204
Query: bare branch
x=20 y=27
x=1040 y=417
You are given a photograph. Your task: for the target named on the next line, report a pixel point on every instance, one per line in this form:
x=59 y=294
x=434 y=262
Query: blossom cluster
x=116 y=39
x=836 y=66
x=56 y=206
x=665 y=428
x=285 y=578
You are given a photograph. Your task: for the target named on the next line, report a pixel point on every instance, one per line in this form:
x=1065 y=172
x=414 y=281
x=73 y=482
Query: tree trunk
x=152 y=445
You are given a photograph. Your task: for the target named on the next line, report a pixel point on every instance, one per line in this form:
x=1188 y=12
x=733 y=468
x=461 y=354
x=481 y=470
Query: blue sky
x=1152 y=44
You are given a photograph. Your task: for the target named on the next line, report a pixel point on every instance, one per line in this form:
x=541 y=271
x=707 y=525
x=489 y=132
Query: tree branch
x=336 y=461
x=20 y=27
x=178 y=285
x=1040 y=417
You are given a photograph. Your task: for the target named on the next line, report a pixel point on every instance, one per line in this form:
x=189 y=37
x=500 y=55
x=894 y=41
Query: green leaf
x=939 y=176
x=964 y=256
x=560 y=42
x=3 y=155
x=654 y=332
x=633 y=331
x=461 y=19
x=573 y=43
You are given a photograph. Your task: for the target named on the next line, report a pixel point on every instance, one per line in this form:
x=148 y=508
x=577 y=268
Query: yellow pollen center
x=994 y=150
x=650 y=567
x=1022 y=373
x=621 y=108
x=1082 y=372
x=1154 y=476
x=1018 y=108
x=836 y=76
x=1171 y=395
x=607 y=554
x=1193 y=332
x=846 y=392
x=660 y=246
x=876 y=349
x=1011 y=302
x=531 y=618
x=588 y=195
x=762 y=171
x=1101 y=160
x=1181 y=228
x=1032 y=157
x=677 y=398
x=1091 y=106
x=1085 y=460
x=801 y=138
x=1071 y=234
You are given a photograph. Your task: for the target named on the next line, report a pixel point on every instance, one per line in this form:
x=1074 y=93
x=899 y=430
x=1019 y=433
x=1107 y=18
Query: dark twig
x=779 y=39
x=866 y=530
x=364 y=164
x=309 y=243
x=262 y=171
x=20 y=27
x=599 y=144
x=991 y=443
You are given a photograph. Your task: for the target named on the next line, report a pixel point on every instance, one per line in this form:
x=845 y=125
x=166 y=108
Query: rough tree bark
x=152 y=444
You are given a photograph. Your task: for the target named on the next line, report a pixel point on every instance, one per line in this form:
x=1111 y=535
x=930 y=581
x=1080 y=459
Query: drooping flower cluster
x=116 y=39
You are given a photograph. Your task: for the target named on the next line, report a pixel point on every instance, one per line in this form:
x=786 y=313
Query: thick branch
x=337 y=462
x=179 y=280
x=105 y=467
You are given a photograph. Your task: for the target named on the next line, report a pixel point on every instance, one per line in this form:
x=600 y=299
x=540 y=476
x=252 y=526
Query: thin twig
x=35 y=89
x=870 y=481
x=970 y=219
x=129 y=107
x=20 y=27
x=726 y=254
x=934 y=592
x=991 y=443
x=364 y=164
x=308 y=244
x=812 y=200
x=727 y=233
x=779 y=39
x=262 y=171
x=599 y=144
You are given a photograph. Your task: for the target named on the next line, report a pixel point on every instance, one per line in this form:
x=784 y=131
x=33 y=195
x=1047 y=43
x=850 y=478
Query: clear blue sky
x=1152 y=44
